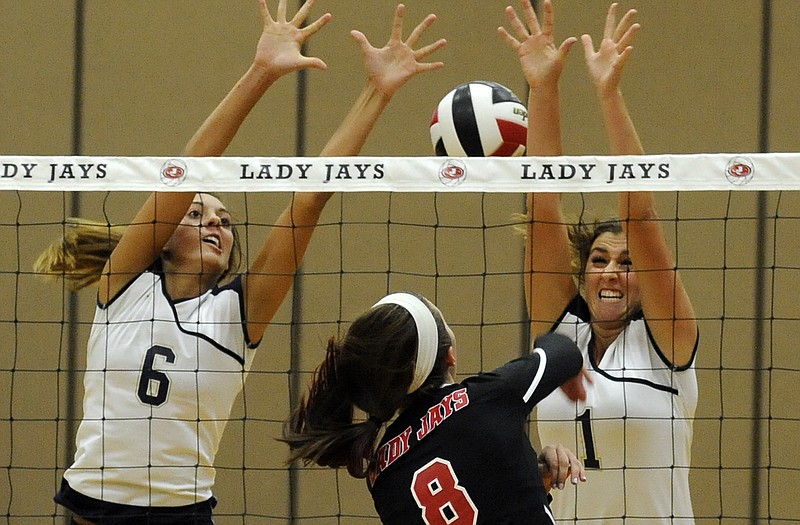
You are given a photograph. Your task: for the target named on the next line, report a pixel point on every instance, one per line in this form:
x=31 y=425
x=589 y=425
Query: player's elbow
x=563 y=349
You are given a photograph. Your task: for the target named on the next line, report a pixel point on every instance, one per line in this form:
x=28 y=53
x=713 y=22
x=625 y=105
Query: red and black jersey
x=462 y=455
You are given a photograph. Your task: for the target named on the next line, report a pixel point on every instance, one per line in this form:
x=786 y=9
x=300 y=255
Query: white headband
x=427 y=334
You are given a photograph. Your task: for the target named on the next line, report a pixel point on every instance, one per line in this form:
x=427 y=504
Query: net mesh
x=736 y=251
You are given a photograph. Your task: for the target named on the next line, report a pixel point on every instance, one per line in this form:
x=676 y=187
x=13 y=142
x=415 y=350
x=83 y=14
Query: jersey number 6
x=442 y=500
x=154 y=384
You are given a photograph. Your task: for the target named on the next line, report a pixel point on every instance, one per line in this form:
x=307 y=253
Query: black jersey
x=461 y=454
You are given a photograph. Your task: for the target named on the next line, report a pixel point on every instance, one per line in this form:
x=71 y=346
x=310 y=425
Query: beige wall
x=155 y=68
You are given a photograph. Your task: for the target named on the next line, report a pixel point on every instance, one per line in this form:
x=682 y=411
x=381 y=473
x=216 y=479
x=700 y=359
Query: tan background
x=153 y=69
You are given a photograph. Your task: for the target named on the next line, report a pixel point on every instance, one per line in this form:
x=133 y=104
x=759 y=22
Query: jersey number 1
x=590 y=456
x=442 y=500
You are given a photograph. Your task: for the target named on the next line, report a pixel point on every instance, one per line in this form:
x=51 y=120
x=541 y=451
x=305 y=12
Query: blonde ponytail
x=79 y=257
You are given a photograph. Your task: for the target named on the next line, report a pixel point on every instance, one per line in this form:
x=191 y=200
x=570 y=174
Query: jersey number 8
x=442 y=500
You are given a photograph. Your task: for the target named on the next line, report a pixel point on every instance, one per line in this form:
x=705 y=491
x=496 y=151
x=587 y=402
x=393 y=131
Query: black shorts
x=106 y=513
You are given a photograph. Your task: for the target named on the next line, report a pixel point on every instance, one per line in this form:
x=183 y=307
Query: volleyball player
x=171 y=343
x=454 y=452
x=629 y=313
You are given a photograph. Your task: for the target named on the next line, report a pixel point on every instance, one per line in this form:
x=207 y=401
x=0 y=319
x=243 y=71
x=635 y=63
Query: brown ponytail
x=322 y=431
x=370 y=368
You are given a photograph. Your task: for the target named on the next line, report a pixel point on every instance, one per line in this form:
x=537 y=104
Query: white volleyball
x=479 y=119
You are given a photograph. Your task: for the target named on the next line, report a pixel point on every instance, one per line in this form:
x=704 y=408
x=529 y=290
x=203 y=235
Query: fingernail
x=574 y=481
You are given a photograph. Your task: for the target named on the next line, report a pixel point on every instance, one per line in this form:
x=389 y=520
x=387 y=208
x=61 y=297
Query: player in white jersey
x=627 y=310
x=171 y=344
x=633 y=431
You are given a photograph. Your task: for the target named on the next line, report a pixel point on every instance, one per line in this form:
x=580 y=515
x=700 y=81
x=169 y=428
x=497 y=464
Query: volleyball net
x=445 y=228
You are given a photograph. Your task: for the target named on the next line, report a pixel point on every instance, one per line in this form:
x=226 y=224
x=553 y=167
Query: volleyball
x=479 y=119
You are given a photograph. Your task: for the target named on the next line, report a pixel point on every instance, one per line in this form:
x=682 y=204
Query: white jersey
x=161 y=378
x=633 y=432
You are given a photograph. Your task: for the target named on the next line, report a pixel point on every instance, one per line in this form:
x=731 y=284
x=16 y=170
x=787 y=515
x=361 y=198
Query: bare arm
x=277 y=54
x=548 y=282
x=605 y=67
x=271 y=275
x=665 y=301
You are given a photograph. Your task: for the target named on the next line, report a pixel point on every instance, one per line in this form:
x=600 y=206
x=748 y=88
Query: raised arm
x=388 y=69
x=277 y=53
x=548 y=281
x=605 y=67
x=665 y=302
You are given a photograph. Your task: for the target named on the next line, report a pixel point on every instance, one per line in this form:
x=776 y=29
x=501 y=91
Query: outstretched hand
x=542 y=62
x=390 y=67
x=279 y=49
x=605 y=64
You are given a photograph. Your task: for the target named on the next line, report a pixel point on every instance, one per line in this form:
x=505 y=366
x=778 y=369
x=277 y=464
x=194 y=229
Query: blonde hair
x=81 y=254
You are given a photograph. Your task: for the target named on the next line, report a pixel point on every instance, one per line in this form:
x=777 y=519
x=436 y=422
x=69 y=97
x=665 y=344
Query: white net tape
x=721 y=171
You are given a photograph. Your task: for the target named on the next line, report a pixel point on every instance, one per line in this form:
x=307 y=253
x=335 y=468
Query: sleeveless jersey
x=461 y=455
x=161 y=378
x=633 y=432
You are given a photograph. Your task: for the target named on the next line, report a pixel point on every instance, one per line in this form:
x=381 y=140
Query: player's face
x=203 y=241
x=610 y=285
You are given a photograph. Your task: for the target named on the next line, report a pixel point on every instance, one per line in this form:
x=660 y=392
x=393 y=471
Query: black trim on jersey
x=121 y=291
x=235 y=285
x=578 y=307
x=156 y=268
x=212 y=342
x=664 y=357
x=637 y=380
